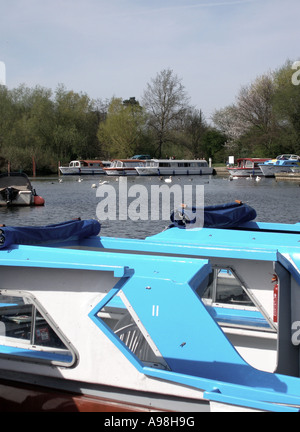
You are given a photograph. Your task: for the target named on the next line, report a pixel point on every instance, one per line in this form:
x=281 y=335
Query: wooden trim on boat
x=20 y=397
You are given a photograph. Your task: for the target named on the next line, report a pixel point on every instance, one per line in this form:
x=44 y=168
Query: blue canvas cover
x=219 y=216
x=39 y=235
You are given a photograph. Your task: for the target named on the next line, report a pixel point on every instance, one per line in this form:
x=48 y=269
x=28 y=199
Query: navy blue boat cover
x=228 y=215
x=40 y=235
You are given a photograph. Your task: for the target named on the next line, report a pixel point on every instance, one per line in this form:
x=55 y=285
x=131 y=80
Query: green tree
x=193 y=131
x=75 y=126
x=29 y=137
x=287 y=107
x=6 y=114
x=122 y=131
x=213 y=145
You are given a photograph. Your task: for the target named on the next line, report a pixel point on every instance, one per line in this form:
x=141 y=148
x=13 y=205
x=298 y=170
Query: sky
x=113 y=48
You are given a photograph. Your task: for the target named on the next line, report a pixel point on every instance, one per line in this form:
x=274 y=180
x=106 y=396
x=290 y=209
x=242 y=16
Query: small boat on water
x=16 y=190
x=124 y=167
x=175 y=167
x=246 y=167
x=284 y=163
x=84 y=167
x=187 y=320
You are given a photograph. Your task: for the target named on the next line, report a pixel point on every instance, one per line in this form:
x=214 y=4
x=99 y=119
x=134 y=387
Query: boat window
x=26 y=333
x=133 y=164
x=130 y=332
x=226 y=288
x=249 y=164
x=231 y=302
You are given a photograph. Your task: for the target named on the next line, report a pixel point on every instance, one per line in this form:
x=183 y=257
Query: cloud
x=115 y=48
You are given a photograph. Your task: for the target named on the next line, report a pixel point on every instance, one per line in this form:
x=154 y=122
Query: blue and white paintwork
x=80 y=285
x=282 y=164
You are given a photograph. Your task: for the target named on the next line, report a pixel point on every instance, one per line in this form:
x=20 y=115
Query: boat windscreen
x=14 y=179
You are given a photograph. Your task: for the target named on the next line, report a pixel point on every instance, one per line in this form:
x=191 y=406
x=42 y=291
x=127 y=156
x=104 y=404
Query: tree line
x=40 y=127
x=264 y=121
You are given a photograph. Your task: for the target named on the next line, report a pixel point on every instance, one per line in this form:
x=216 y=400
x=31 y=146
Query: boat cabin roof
x=178 y=160
x=14 y=179
x=288 y=156
x=90 y=160
x=253 y=159
x=128 y=160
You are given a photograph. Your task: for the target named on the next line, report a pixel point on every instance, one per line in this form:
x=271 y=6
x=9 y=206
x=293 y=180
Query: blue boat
x=190 y=319
x=285 y=163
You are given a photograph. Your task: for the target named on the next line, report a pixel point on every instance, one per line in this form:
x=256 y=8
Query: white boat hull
x=245 y=172
x=271 y=170
x=150 y=171
x=16 y=190
x=24 y=198
x=121 y=171
x=80 y=171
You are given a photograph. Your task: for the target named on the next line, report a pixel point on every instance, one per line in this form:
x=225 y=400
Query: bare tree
x=166 y=103
x=252 y=116
x=255 y=104
x=228 y=122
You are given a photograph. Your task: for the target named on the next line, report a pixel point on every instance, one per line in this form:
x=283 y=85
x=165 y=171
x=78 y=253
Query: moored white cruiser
x=285 y=163
x=175 y=167
x=246 y=167
x=124 y=167
x=84 y=167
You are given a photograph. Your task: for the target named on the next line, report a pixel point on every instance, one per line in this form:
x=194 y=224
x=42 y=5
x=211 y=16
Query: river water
x=274 y=201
